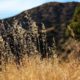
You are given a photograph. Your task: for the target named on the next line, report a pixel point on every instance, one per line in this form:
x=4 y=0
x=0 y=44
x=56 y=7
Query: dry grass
x=33 y=68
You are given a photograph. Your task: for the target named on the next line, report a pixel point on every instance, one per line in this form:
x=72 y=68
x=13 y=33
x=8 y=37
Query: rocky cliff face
x=37 y=30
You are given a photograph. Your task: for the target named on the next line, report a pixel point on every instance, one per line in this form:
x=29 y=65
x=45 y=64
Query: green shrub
x=75 y=23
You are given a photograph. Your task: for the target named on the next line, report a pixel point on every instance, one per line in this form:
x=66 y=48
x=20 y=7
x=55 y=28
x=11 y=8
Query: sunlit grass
x=33 y=68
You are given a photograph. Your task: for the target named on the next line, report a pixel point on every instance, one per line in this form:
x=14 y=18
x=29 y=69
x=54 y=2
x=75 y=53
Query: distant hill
x=53 y=15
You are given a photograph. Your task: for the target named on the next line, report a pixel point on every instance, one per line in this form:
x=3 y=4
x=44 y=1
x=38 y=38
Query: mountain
x=38 y=30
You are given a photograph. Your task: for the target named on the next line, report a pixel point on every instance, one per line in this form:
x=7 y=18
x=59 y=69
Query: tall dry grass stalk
x=32 y=68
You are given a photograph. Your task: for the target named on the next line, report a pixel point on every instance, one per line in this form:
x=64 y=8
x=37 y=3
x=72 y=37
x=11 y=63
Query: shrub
x=75 y=23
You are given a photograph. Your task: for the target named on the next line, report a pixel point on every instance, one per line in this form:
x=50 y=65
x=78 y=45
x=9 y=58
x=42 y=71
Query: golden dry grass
x=33 y=68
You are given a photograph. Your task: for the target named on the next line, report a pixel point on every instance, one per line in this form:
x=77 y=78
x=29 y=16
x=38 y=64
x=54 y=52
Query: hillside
x=39 y=30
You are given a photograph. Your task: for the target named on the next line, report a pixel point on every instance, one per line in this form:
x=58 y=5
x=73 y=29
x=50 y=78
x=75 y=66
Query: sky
x=10 y=8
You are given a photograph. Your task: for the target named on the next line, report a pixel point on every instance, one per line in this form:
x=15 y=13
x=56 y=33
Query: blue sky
x=10 y=8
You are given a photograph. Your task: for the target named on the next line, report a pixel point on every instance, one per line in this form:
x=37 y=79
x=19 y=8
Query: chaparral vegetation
x=41 y=44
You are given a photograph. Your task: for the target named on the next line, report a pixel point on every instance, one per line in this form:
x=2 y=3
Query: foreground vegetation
x=32 y=68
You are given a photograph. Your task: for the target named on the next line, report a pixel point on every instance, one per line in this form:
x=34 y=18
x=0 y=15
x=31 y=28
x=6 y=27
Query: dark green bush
x=75 y=23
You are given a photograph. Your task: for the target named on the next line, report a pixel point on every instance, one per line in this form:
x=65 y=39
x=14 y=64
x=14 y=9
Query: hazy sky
x=11 y=7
